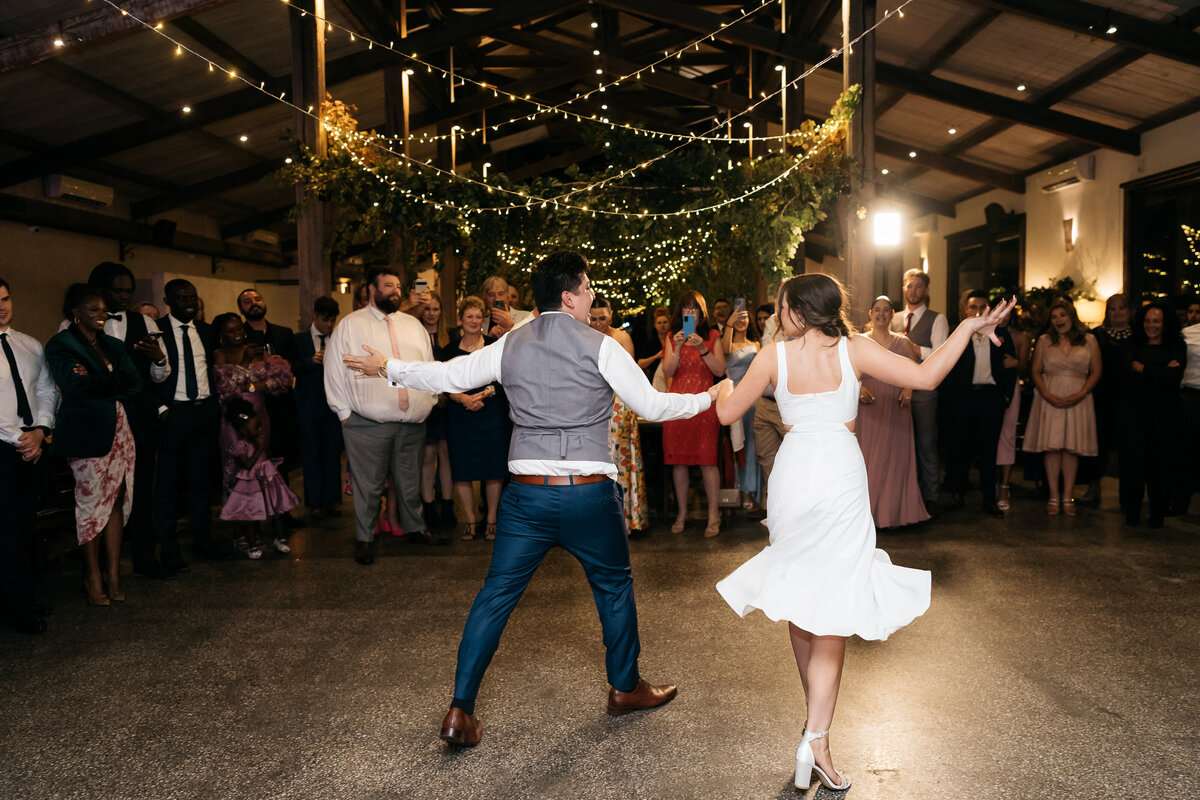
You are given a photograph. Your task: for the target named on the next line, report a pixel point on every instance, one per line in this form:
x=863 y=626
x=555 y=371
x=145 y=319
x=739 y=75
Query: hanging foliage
x=390 y=211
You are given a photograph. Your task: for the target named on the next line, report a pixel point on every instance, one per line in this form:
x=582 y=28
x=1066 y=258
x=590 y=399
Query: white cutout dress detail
x=821 y=569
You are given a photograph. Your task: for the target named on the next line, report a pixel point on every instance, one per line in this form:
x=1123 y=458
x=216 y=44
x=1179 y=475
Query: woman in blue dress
x=740 y=341
x=477 y=428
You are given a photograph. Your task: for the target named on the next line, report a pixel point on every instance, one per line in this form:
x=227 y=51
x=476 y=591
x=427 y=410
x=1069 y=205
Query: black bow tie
x=117 y=317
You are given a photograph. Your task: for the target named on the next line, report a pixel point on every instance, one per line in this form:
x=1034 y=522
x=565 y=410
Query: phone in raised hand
x=689 y=325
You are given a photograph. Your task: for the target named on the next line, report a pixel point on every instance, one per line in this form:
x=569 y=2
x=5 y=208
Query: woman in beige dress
x=1062 y=422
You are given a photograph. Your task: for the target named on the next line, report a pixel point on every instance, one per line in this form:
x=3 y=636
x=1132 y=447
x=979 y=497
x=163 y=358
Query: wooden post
x=859 y=67
x=793 y=115
x=308 y=89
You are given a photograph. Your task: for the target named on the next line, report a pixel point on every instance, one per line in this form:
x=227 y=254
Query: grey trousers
x=373 y=449
x=925 y=432
x=768 y=435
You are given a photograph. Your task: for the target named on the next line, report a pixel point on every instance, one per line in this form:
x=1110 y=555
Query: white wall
x=1098 y=210
x=1097 y=207
x=40 y=266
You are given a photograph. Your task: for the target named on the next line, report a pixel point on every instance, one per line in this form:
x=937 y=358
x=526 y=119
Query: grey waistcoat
x=922 y=333
x=558 y=400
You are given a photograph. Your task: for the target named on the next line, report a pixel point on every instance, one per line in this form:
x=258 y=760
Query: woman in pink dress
x=1062 y=422
x=885 y=432
x=96 y=377
x=693 y=362
x=257 y=492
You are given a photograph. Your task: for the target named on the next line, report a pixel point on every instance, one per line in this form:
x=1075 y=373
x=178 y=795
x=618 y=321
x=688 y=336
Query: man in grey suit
x=560 y=377
x=928 y=330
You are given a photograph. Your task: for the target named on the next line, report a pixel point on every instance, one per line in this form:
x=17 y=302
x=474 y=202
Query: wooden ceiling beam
x=1172 y=41
x=1016 y=111
x=909 y=80
x=243 y=101
x=554 y=162
x=229 y=55
x=98 y=24
x=920 y=202
x=185 y=195
x=95 y=87
x=90 y=223
x=1010 y=181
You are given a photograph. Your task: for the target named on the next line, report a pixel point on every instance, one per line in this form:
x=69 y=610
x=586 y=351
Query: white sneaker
x=282 y=546
x=254 y=553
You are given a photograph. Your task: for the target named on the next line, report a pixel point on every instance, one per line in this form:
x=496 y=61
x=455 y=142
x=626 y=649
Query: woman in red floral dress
x=96 y=377
x=694 y=362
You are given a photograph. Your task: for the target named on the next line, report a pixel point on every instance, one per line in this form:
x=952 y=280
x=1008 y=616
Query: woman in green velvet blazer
x=96 y=378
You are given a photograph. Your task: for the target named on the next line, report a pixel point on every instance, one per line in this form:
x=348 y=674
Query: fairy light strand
x=531 y=201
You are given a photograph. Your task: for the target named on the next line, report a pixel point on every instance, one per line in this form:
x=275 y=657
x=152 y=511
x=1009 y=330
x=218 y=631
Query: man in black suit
x=140 y=334
x=320 y=430
x=189 y=418
x=979 y=388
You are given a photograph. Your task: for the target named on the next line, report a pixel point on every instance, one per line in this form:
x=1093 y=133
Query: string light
x=532 y=201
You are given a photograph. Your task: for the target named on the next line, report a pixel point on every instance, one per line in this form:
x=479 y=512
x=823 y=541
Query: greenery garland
x=636 y=260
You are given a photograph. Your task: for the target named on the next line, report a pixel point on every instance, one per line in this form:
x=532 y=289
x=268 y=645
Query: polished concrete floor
x=1058 y=659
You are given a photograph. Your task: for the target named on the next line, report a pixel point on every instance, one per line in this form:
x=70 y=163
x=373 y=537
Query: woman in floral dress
x=96 y=377
x=623 y=436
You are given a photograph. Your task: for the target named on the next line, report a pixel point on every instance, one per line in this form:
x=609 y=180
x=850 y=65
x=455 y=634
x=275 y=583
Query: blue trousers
x=587 y=521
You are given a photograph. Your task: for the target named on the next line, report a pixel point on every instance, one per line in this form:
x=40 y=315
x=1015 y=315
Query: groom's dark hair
x=556 y=273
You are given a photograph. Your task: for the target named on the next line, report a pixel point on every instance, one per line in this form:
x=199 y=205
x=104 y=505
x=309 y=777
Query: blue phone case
x=689 y=324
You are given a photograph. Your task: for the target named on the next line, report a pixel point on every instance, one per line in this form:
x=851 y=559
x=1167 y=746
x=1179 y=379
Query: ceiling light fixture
x=912 y=153
x=953 y=131
x=1021 y=87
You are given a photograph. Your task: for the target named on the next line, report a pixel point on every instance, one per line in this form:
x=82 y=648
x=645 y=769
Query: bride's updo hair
x=817 y=302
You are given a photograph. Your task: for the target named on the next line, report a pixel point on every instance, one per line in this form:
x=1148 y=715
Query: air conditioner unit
x=1078 y=171
x=261 y=237
x=65 y=187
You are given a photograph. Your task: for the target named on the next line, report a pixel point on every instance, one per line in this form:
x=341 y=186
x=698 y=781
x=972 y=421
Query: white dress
x=821 y=570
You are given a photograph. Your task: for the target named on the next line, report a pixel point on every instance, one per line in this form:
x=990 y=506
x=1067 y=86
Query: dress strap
x=781 y=375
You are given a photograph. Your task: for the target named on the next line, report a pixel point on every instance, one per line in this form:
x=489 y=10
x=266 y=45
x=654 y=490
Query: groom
x=560 y=377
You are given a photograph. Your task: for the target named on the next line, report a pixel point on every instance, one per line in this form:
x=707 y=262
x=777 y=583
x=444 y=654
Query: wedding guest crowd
x=146 y=410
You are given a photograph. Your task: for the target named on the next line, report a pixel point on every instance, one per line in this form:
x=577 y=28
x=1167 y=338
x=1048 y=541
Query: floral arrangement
x=273 y=375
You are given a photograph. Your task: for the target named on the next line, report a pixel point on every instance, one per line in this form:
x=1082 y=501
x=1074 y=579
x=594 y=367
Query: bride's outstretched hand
x=366 y=366
x=986 y=323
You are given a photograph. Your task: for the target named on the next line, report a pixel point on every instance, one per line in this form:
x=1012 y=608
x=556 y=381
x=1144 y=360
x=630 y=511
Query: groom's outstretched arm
x=461 y=374
x=629 y=383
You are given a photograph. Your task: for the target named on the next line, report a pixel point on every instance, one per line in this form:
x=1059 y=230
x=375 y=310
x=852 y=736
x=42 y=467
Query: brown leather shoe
x=644 y=696
x=461 y=728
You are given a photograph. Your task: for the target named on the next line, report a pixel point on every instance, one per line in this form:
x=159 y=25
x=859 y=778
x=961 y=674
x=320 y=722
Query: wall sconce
x=1069 y=234
x=343 y=285
x=887 y=228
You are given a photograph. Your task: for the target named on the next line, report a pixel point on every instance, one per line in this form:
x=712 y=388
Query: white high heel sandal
x=806 y=764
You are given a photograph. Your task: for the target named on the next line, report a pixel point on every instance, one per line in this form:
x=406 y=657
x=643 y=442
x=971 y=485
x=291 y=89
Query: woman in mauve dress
x=693 y=363
x=97 y=378
x=885 y=432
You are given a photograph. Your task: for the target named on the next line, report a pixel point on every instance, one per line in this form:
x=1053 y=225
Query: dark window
x=990 y=257
x=1162 y=234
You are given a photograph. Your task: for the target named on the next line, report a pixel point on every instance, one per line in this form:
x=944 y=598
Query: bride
x=821 y=571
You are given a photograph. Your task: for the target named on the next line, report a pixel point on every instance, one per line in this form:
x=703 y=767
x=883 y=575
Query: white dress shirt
x=983 y=360
x=374 y=399
x=198 y=355
x=40 y=390
x=616 y=366
x=1191 y=370
x=316 y=338
x=937 y=336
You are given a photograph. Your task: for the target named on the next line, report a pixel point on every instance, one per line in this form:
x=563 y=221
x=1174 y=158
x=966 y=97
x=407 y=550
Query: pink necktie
x=394 y=336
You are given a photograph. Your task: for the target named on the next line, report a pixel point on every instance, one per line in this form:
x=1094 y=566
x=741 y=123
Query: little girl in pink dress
x=257 y=491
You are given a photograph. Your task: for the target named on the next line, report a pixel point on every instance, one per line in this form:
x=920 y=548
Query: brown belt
x=558 y=480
